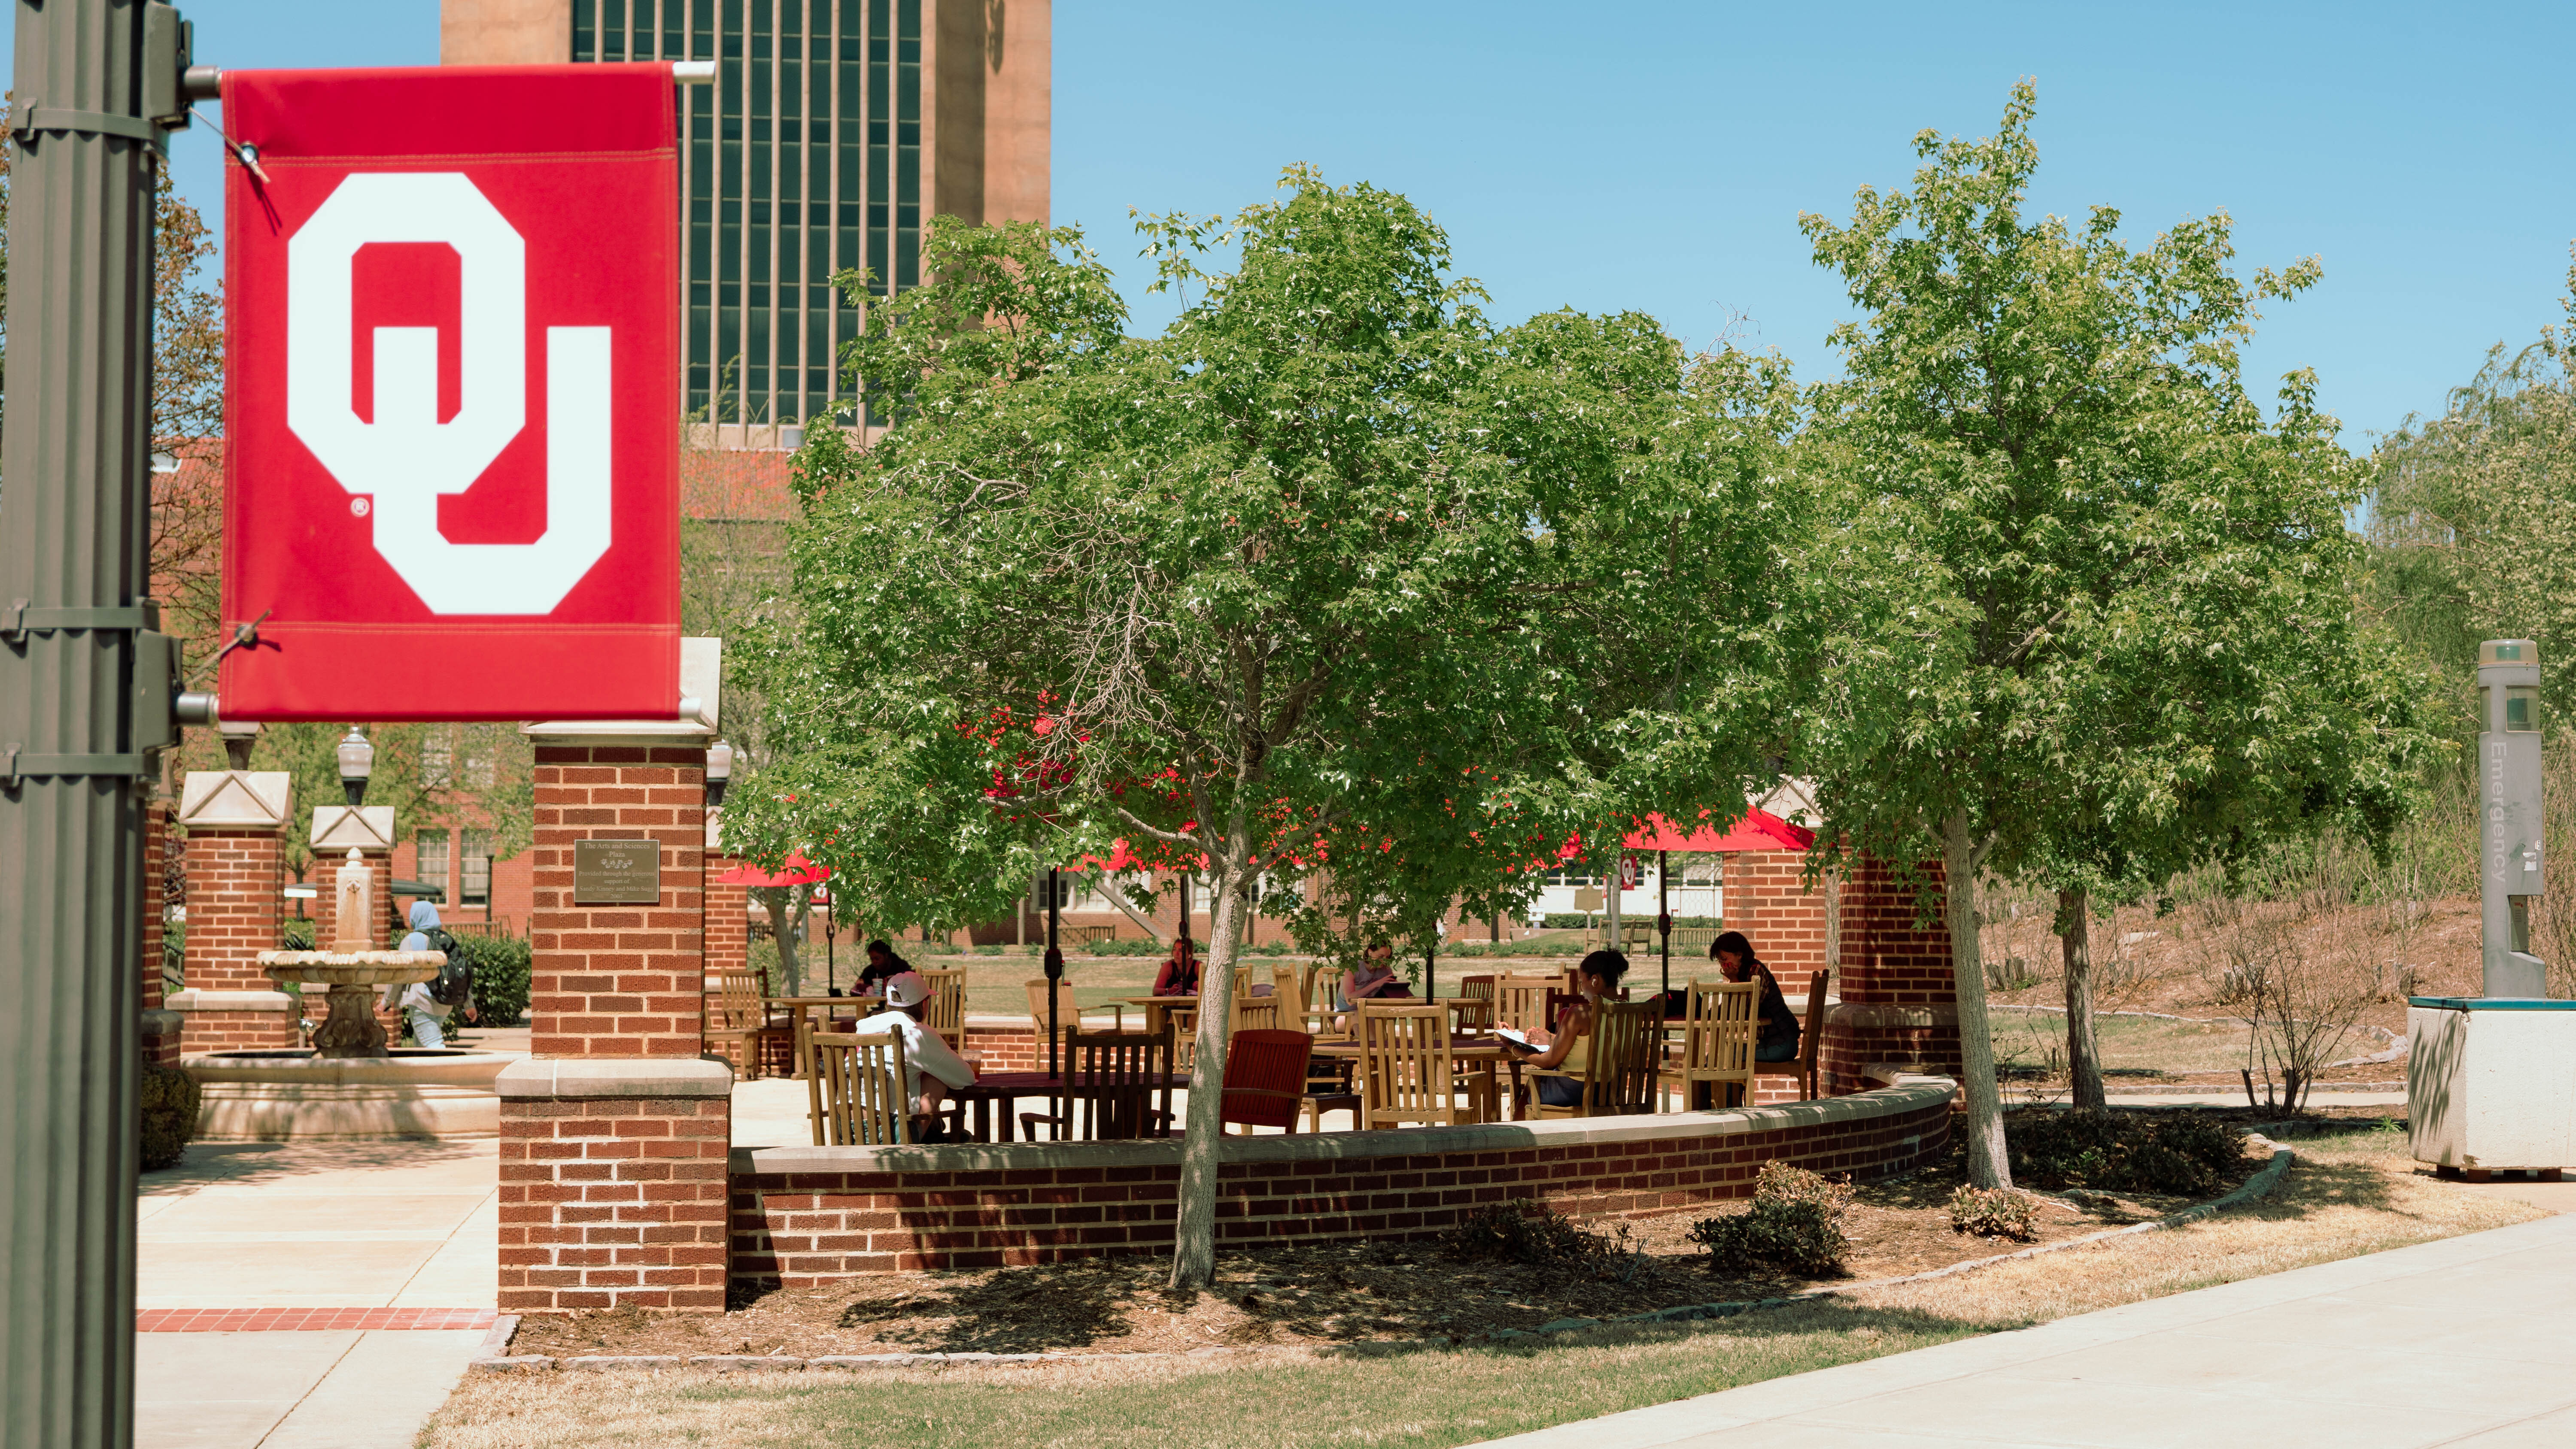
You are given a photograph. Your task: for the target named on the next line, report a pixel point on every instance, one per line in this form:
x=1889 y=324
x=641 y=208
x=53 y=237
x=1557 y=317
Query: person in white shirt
x=929 y=1067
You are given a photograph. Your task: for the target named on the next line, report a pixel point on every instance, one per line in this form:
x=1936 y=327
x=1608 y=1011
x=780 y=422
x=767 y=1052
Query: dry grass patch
x=2354 y=1191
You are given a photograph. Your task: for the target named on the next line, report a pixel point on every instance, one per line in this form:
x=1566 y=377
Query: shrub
x=500 y=977
x=2171 y=1152
x=296 y=933
x=170 y=1098
x=1795 y=1223
x=1992 y=1212
x=1522 y=1231
x=1564 y=921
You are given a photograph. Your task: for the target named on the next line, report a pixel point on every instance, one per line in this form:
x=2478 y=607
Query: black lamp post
x=237 y=738
x=1054 y=960
x=357 y=762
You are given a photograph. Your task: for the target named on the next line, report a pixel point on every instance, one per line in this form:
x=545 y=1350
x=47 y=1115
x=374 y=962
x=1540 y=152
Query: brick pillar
x=1897 y=1000
x=728 y=917
x=236 y=822
x=161 y=1027
x=614 y=1134
x=1767 y=898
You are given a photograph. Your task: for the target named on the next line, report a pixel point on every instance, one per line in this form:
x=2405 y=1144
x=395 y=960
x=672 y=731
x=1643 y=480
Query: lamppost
x=237 y=738
x=357 y=762
x=1054 y=958
x=2509 y=859
x=719 y=772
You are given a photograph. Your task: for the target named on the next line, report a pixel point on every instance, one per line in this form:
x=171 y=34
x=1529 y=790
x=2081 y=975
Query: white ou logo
x=407 y=458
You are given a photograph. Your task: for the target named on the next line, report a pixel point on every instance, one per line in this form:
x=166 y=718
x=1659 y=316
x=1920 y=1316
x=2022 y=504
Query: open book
x=1520 y=1040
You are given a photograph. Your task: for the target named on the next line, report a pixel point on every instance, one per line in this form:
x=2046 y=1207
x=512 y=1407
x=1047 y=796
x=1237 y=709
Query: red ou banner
x=452 y=409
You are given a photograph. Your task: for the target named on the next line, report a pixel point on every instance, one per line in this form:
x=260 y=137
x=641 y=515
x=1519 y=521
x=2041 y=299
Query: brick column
x=236 y=822
x=1898 y=1004
x=614 y=1134
x=728 y=920
x=1767 y=898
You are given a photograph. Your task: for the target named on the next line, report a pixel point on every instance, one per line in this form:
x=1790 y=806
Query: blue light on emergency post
x=2509 y=824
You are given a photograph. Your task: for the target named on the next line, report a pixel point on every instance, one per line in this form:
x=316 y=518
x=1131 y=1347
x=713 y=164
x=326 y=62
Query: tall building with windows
x=834 y=131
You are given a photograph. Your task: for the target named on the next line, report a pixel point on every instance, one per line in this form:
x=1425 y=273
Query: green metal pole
x=84 y=700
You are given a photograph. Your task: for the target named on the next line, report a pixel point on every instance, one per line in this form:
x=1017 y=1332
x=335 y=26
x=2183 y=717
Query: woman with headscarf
x=421 y=1010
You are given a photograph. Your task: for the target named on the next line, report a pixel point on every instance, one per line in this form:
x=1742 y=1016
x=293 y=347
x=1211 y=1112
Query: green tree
x=2474 y=517
x=1330 y=568
x=2131 y=645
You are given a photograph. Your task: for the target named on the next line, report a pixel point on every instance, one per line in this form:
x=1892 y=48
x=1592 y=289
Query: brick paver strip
x=305 y=1320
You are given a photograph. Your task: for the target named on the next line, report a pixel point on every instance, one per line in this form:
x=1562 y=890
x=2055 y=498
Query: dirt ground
x=1310 y=1296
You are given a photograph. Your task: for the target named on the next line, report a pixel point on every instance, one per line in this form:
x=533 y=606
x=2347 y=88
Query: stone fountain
x=353 y=971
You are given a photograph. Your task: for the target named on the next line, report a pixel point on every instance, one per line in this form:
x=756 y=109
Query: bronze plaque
x=616 y=873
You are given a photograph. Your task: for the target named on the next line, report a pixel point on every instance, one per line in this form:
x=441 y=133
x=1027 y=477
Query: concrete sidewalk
x=398 y=1227
x=2469 y=1341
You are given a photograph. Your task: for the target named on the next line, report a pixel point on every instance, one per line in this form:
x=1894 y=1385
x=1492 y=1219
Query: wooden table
x=1488 y=1052
x=1159 y=1009
x=798 y=1006
x=1008 y=1088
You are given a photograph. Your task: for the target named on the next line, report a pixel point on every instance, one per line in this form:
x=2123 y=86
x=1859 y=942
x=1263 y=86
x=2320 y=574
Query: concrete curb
x=2265 y=1182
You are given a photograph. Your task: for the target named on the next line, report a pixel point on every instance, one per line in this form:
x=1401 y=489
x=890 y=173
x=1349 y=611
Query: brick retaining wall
x=806 y=1215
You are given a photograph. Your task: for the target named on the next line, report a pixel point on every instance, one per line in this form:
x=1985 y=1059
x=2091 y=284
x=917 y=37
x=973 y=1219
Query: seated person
x=1570 y=1050
x=1180 y=973
x=1778 y=1041
x=883 y=965
x=929 y=1067
x=1374 y=979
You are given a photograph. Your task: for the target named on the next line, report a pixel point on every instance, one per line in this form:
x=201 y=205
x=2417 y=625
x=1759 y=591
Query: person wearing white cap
x=929 y=1067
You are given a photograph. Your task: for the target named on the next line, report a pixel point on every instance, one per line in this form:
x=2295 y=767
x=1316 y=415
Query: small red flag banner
x=452 y=409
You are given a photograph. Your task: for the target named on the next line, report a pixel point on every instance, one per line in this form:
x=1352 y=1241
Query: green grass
x=2025 y=1038
x=1423 y=1398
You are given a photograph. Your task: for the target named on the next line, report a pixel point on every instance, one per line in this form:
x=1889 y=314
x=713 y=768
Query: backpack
x=454 y=983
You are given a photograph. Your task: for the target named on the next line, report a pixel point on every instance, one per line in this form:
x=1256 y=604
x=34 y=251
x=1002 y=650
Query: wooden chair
x=1717 y=1034
x=1520 y=1002
x=1068 y=1016
x=1811 y=1035
x=1619 y=1069
x=1406 y=1072
x=1265 y=1079
x=946 y=1013
x=854 y=1087
x=1254 y=1013
x=1323 y=989
x=743 y=1020
x=1284 y=982
x=1118 y=1077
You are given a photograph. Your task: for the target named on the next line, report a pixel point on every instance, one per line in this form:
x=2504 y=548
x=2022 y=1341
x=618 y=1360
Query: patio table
x=799 y=1007
x=1008 y=1088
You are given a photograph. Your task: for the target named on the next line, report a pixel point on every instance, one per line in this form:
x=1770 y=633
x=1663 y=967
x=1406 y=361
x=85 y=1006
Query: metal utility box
x=2491 y=1082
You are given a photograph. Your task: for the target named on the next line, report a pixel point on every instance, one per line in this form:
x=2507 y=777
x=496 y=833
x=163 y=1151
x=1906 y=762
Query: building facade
x=834 y=131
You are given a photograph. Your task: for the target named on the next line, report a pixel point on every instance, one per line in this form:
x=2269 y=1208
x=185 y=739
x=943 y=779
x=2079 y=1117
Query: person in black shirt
x=1778 y=1041
x=883 y=965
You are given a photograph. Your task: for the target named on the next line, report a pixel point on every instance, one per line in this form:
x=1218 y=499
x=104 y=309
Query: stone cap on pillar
x=715 y=827
x=337 y=827
x=237 y=799
x=694 y=713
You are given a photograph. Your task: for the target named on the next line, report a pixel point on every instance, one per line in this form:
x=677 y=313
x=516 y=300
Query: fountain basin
x=352 y=1032
x=281 y=1096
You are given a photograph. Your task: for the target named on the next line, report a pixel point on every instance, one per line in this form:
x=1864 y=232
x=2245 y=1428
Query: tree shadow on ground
x=249 y=1164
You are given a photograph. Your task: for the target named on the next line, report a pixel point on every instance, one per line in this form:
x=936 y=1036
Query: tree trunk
x=2075 y=943
x=786 y=906
x=1202 y=1136
x=1989 y=1165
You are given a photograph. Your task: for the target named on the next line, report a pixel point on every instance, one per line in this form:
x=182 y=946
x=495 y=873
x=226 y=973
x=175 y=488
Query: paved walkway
x=312 y=1234
x=2468 y=1341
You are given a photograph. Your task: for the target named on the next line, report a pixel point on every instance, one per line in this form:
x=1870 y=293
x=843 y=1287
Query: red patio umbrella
x=797 y=871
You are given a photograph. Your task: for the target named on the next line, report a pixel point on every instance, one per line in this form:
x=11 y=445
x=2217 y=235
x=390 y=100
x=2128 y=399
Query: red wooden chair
x=1265 y=1078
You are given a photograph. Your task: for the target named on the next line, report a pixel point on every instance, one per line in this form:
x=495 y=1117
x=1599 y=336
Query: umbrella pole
x=1664 y=913
x=1054 y=965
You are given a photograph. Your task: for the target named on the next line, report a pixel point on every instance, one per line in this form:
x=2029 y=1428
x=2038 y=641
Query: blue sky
x=1656 y=156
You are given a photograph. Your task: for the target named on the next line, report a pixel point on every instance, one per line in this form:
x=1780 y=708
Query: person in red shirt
x=1180 y=973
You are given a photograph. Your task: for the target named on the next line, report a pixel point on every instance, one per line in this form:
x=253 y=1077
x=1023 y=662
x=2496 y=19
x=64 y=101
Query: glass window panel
x=431 y=866
x=612 y=30
x=585 y=29
x=474 y=877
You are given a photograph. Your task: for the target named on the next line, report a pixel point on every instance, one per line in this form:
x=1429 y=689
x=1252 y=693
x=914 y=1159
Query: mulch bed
x=1316 y=1295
